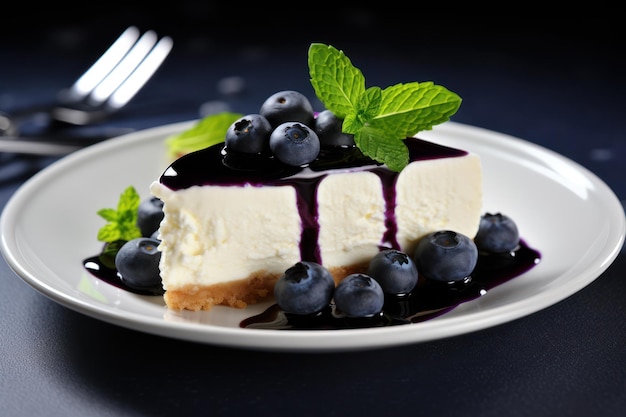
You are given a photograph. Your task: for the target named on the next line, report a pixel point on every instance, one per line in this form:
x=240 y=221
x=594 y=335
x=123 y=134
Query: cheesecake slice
x=234 y=223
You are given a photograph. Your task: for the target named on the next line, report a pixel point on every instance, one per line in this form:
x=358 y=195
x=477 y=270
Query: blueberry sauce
x=99 y=267
x=429 y=299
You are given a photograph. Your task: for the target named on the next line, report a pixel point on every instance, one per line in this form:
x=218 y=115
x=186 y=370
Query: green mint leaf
x=121 y=223
x=108 y=214
x=208 y=131
x=337 y=83
x=109 y=233
x=107 y=256
x=128 y=202
x=129 y=231
x=379 y=119
x=366 y=108
x=382 y=148
x=369 y=103
x=352 y=124
x=410 y=108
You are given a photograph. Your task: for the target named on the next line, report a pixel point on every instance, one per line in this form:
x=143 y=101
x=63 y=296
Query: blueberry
x=304 y=288
x=497 y=233
x=328 y=129
x=137 y=263
x=248 y=134
x=294 y=144
x=394 y=270
x=287 y=106
x=149 y=215
x=359 y=295
x=446 y=256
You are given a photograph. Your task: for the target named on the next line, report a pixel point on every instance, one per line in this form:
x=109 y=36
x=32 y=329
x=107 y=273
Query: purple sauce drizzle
x=429 y=299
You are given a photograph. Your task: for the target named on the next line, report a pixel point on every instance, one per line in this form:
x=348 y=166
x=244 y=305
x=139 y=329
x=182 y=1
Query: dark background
x=557 y=81
x=525 y=65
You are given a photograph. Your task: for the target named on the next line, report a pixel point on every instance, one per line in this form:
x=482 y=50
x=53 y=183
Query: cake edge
x=258 y=287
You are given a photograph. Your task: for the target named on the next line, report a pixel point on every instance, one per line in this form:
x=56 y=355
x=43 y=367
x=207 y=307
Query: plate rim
x=299 y=340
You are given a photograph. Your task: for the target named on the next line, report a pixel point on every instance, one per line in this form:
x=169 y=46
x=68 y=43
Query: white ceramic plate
x=49 y=226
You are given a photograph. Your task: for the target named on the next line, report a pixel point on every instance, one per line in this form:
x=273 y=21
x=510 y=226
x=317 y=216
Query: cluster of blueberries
x=307 y=288
x=286 y=126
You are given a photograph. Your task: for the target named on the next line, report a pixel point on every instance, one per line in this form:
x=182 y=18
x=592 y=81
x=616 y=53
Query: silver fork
x=114 y=79
x=107 y=86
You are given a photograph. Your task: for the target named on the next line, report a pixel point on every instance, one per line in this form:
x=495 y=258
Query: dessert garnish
x=206 y=132
x=121 y=225
x=378 y=118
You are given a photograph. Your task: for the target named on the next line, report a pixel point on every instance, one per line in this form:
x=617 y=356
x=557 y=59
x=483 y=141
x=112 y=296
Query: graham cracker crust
x=238 y=294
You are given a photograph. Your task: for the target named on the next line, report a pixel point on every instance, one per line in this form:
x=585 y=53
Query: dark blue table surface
x=553 y=85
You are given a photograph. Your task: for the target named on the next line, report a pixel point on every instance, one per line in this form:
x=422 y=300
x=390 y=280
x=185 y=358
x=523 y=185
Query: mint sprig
x=378 y=118
x=208 y=131
x=121 y=222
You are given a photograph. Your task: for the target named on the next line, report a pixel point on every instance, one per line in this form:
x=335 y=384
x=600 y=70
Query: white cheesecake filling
x=438 y=194
x=351 y=218
x=216 y=234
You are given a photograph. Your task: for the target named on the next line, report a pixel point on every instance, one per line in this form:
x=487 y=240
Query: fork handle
x=54 y=145
x=36 y=147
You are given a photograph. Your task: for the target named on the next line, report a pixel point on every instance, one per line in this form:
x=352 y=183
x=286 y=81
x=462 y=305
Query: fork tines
x=122 y=70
